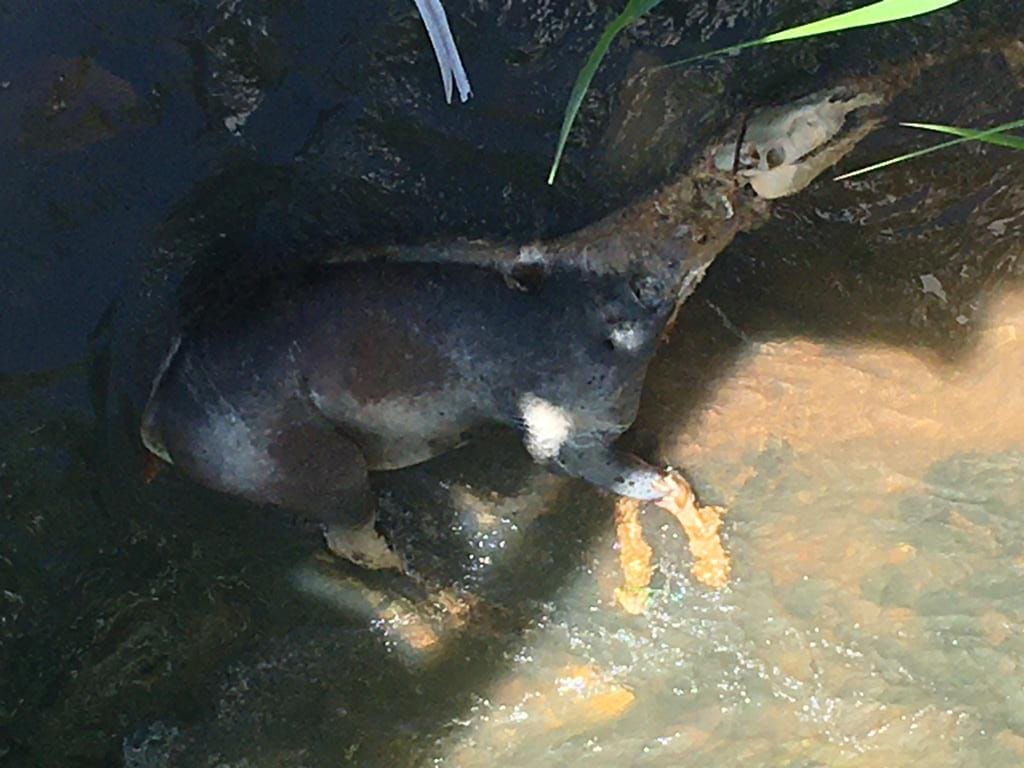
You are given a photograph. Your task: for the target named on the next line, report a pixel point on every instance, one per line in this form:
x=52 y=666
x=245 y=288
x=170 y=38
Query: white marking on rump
x=240 y=464
x=547 y=426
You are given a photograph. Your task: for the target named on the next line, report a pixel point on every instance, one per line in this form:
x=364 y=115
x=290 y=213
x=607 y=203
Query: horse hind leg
x=288 y=458
x=321 y=473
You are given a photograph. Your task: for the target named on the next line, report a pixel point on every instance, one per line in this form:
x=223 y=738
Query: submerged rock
x=64 y=105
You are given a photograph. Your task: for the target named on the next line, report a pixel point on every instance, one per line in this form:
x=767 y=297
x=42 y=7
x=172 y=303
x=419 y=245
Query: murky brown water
x=846 y=381
x=875 y=615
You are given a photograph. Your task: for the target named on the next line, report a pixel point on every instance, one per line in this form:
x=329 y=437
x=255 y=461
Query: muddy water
x=846 y=381
x=875 y=615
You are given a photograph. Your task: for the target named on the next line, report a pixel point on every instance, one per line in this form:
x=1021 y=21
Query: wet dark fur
x=292 y=392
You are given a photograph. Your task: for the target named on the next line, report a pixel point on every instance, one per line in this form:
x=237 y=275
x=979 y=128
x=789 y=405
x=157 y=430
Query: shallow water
x=846 y=381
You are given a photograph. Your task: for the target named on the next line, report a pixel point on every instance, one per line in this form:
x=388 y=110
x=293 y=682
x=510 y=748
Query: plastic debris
x=448 y=59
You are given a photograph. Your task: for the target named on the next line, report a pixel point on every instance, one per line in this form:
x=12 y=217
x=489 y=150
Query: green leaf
x=999 y=139
x=882 y=12
x=986 y=135
x=634 y=10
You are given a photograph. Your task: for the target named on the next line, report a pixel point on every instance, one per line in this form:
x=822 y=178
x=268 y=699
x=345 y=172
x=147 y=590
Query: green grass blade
x=998 y=139
x=633 y=11
x=976 y=136
x=882 y=12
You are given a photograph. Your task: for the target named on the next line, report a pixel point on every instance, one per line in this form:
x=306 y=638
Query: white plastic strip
x=447 y=54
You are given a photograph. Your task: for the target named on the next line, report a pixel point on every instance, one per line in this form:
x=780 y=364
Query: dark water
x=845 y=380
